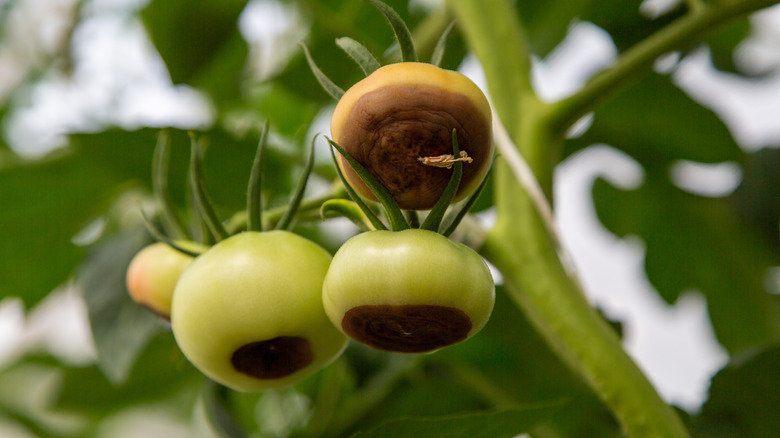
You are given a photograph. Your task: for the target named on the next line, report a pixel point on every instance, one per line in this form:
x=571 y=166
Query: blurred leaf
x=120 y=327
x=698 y=243
x=724 y=40
x=624 y=22
x=508 y=423
x=45 y=203
x=510 y=364
x=744 y=398
x=219 y=411
x=757 y=199
x=199 y=42
x=160 y=371
x=655 y=122
x=546 y=23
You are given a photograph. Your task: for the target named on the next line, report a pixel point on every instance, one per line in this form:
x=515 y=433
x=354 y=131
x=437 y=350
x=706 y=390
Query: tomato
x=408 y=291
x=153 y=274
x=404 y=112
x=248 y=313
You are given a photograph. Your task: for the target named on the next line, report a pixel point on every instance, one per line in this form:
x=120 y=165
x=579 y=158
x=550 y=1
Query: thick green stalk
x=520 y=246
x=701 y=18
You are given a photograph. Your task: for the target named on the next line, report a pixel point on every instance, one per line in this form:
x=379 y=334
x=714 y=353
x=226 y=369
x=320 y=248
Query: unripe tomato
x=408 y=291
x=248 y=313
x=153 y=274
x=406 y=111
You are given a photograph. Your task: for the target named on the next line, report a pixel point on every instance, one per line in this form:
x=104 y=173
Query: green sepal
x=285 y=221
x=347 y=209
x=433 y=221
x=402 y=34
x=329 y=86
x=160 y=236
x=202 y=203
x=394 y=214
x=170 y=220
x=254 y=192
x=453 y=219
x=372 y=217
x=358 y=52
x=441 y=45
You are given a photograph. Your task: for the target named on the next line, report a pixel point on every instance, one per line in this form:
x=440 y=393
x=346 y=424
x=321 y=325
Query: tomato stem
x=347 y=209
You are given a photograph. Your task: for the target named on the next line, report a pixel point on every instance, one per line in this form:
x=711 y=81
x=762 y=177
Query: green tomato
x=248 y=313
x=153 y=274
x=407 y=291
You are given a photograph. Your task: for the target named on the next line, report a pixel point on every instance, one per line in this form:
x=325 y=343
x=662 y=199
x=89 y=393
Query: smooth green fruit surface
x=408 y=291
x=248 y=313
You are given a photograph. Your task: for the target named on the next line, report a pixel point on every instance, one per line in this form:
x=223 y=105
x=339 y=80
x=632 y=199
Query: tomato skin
x=250 y=289
x=153 y=273
x=406 y=111
x=414 y=268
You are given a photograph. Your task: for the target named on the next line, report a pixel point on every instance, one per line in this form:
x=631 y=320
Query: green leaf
x=160 y=372
x=120 y=327
x=219 y=413
x=509 y=365
x=701 y=244
x=743 y=398
x=199 y=42
x=48 y=201
x=656 y=123
x=724 y=40
x=507 y=424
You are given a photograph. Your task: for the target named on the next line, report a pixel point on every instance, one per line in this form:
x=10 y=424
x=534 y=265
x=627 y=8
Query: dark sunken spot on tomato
x=393 y=126
x=274 y=358
x=406 y=328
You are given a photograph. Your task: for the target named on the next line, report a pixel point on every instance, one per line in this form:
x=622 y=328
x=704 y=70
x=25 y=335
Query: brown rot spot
x=406 y=328
x=390 y=128
x=274 y=358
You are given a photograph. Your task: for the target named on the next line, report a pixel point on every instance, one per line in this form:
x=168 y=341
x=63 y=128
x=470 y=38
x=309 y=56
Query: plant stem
x=640 y=57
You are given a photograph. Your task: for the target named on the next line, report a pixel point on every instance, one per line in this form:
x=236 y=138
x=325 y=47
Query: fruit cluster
x=262 y=309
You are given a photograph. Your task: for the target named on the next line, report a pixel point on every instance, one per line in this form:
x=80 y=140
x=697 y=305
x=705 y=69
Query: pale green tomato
x=407 y=291
x=153 y=274
x=248 y=312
